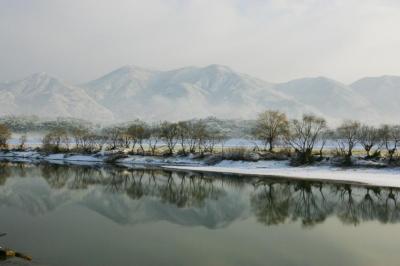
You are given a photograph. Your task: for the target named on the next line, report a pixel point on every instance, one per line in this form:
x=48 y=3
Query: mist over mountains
x=132 y=92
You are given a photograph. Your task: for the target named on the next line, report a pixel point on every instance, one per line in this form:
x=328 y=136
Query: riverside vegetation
x=302 y=141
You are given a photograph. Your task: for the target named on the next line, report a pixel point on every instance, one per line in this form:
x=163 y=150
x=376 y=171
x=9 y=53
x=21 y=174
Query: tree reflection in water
x=313 y=202
x=5 y=172
x=272 y=201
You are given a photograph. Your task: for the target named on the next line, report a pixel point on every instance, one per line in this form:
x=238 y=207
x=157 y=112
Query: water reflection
x=312 y=203
x=132 y=196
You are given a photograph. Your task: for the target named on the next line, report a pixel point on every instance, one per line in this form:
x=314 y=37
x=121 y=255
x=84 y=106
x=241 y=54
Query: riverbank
x=383 y=177
x=97 y=158
x=365 y=172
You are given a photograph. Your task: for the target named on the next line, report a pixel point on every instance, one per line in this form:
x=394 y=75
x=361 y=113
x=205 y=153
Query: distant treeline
x=233 y=128
x=25 y=124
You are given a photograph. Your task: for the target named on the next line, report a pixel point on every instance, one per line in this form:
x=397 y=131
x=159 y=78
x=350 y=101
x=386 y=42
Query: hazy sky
x=276 y=40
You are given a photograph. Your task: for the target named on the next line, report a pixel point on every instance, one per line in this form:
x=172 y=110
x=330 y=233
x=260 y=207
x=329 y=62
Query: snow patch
x=388 y=177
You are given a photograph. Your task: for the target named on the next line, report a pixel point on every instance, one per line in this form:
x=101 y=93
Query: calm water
x=79 y=215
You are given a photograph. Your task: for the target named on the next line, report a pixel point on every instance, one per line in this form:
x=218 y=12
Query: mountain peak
x=376 y=83
x=131 y=68
x=41 y=77
x=126 y=72
x=218 y=68
x=316 y=82
x=317 y=79
x=390 y=77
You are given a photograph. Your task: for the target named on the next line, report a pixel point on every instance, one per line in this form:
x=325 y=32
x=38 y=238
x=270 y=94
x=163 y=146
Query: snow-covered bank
x=154 y=160
x=98 y=158
x=386 y=177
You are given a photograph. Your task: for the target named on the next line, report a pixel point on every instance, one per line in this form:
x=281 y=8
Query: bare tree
x=80 y=136
x=126 y=137
x=391 y=137
x=197 y=135
x=325 y=136
x=200 y=134
x=114 y=136
x=214 y=136
x=142 y=135
x=22 y=141
x=183 y=134
x=154 y=137
x=270 y=126
x=191 y=138
x=347 y=136
x=302 y=136
x=100 y=140
x=54 y=140
x=169 y=133
x=138 y=133
x=88 y=141
x=369 y=137
x=5 y=135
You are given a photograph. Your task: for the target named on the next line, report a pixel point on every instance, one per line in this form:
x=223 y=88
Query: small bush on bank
x=345 y=161
x=342 y=158
x=240 y=154
x=374 y=156
x=50 y=149
x=300 y=159
x=282 y=154
x=84 y=150
x=394 y=161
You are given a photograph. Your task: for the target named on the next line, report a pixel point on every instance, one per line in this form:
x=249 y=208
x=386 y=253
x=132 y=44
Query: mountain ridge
x=131 y=92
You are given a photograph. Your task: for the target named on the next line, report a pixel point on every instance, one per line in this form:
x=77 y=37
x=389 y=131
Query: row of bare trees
x=302 y=135
x=138 y=137
x=307 y=137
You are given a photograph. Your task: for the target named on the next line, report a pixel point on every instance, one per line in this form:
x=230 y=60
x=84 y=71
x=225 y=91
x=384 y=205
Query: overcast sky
x=276 y=40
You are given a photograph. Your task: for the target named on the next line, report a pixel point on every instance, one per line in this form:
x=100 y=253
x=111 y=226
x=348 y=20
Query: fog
x=276 y=40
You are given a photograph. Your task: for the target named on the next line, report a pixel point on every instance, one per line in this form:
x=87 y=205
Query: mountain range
x=132 y=92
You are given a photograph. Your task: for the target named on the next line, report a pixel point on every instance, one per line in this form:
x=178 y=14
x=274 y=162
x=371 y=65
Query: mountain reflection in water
x=134 y=196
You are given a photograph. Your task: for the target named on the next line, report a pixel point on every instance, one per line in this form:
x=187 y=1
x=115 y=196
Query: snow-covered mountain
x=334 y=100
x=188 y=93
x=133 y=92
x=43 y=95
x=383 y=93
x=120 y=85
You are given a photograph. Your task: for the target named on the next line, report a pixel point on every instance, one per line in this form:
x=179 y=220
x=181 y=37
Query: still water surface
x=82 y=215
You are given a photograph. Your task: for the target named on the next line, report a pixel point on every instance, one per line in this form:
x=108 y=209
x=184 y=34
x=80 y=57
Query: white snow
x=82 y=158
x=389 y=177
x=20 y=154
x=57 y=156
x=153 y=160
